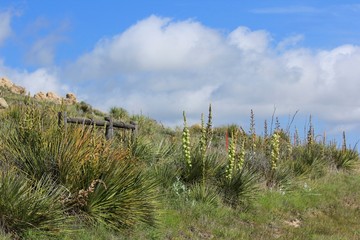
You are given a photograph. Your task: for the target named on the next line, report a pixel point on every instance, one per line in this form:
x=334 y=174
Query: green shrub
x=347 y=159
x=309 y=161
x=105 y=185
x=123 y=197
x=26 y=205
x=241 y=189
x=206 y=194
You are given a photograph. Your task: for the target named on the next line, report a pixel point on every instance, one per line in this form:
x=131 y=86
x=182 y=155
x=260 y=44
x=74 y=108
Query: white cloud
x=5 y=28
x=248 y=40
x=154 y=44
x=160 y=67
x=42 y=52
x=289 y=42
x=41 y=79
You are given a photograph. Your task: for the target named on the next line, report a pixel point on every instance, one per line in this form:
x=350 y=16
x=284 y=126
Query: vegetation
x=198 y=182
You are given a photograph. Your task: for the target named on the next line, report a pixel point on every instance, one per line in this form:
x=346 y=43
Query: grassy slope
x=326 y=208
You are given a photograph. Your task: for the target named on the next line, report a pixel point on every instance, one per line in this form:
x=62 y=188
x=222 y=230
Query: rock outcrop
x=49 y=96
x=6 y=83
x=53 y=97
x=40 y=96
x=3 y=104
x=70 y=98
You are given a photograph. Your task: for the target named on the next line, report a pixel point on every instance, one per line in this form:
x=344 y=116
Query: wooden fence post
x=62 y=117
x=109 y=128
x=134 y=131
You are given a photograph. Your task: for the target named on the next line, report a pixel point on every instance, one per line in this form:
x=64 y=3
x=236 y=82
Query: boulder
x=50 y=96
x=40 y=96
x=4 y=82
x=70 y=98
x=3 y=104
x=18 y=90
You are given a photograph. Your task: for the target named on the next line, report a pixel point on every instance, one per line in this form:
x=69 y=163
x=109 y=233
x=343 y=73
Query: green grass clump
x=25 y=205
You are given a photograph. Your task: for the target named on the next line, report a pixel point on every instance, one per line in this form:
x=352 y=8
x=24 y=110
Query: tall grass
x=104 y=184
x=25 y=204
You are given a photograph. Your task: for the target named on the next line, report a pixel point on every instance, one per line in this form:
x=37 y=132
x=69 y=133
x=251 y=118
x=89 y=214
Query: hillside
x=198 y=182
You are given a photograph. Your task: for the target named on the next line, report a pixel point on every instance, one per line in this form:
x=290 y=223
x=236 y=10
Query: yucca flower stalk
x=209 y=130
x=203 y=137
x=203 y=147
x=296 y=138
x=275 y=150
x=241 y=155
x=266 y=132
x=343 y=148
x=310 y=134
x=231 y=157
x=289 y=148
x=252 y=132
x=186 y=142
x=324 y=139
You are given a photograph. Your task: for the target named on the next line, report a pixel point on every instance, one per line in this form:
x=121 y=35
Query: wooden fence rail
x=108 y=123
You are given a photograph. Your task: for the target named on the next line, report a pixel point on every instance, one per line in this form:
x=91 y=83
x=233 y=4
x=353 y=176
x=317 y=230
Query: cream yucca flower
x=275 y=149
x=186 y=143
x=231 y=157
x=241 y=155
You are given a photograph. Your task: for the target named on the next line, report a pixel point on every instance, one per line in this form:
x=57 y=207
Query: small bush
x=345 y=159
x=241 y=189
x=26 y=205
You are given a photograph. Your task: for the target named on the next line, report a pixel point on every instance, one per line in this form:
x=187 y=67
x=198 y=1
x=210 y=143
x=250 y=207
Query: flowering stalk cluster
x=275 y=149
x=186 y=143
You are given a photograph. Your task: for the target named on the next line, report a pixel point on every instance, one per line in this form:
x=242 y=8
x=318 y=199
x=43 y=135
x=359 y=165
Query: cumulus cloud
x=248 y=40
x=160 y=67
x=41 y=79
x=5 y=28
x=154 y=44
x=289 y=42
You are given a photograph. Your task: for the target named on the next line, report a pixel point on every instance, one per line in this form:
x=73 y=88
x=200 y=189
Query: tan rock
x=3 y=104
x=70 y=98
x=18 y=90
x=40 y=96
x=50 y=96
x=4 y=82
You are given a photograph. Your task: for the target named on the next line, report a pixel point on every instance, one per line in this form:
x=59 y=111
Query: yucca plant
x=105 y=184
x=207 y=194
x=309 y=160
x=345 y=159
x=201 y=166
x=241 y=189
x=121 y=198
x=26 y=205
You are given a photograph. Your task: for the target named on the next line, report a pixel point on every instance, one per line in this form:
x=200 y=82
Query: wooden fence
x=108 y=123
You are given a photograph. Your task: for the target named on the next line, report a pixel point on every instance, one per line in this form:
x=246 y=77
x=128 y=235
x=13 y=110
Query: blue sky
x=161 y=57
